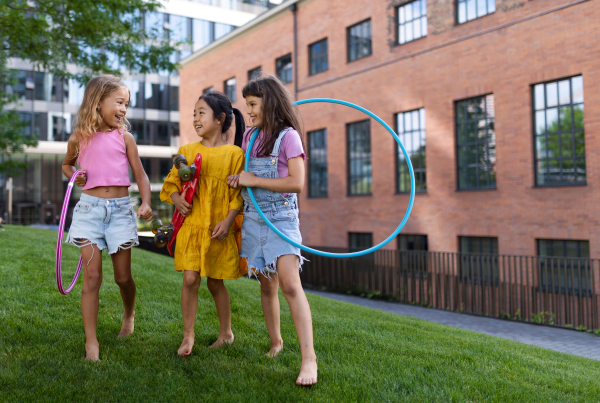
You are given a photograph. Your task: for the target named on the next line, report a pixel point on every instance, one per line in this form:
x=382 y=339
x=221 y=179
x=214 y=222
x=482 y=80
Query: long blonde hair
x=89 y=119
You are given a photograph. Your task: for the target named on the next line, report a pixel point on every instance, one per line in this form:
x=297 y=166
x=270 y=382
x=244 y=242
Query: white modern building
x=48 y=105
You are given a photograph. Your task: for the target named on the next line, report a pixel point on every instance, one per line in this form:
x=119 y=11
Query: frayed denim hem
x=271 y=268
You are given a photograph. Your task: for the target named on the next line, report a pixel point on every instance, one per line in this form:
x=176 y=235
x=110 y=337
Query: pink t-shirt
x=291 y=147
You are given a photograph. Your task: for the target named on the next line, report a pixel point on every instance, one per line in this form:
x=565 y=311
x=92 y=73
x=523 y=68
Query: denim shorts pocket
x=285 y=215
x=82 y=207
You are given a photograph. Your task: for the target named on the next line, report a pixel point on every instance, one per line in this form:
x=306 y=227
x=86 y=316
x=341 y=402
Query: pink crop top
x=105 y=161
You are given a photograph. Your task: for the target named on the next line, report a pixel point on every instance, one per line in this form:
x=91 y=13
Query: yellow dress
x=212 y=201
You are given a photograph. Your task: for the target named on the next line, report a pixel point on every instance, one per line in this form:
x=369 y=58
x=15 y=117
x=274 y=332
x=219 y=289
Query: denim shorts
x=261 y=246
x=106 y=223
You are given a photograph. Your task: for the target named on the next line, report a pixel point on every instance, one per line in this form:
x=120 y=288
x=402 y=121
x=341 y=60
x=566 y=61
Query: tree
x=55 y=35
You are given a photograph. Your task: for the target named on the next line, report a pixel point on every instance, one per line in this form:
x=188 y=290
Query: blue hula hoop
x=329 y=254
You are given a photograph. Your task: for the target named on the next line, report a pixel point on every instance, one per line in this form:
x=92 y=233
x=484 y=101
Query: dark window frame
x=397 y=24
x=360 y=237
x=457 y=149
x=474 y=267
x=422 y=172
x=349 y=176
x=457 y=10
x=231 y=95
x=254 y=73
x=423 y=241
x=310 y=56
x=558 y=278
x=573 y=131
x=312 y=159
x=349 y=41
x=278 y=70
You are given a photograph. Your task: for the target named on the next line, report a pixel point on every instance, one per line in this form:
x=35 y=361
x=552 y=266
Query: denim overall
x=260 y=244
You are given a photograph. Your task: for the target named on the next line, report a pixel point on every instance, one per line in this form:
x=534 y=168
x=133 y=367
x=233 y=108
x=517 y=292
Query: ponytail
x=240 y=127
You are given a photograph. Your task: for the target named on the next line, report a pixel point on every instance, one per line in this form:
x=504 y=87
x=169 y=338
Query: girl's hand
x=221 y=231
x=246 y=179
x=233 y=181
x=181 y=204
x=145 y=212
x=81 y=179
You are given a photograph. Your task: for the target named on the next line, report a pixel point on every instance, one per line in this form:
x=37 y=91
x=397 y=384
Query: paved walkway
x=563 y=340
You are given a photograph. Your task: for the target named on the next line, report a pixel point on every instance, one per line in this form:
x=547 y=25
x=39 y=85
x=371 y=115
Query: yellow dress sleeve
x=172 y=184
x=236 y=202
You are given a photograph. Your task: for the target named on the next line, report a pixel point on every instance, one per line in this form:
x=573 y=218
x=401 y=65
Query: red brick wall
x=450 y=64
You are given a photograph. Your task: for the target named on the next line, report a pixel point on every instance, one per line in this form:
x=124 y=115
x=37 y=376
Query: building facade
x=48 y=105
x=487 y=96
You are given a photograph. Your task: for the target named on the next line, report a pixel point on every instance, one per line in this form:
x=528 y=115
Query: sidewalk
x=557 y=339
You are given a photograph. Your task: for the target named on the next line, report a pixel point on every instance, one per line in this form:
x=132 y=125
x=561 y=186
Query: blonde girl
x=104 y=218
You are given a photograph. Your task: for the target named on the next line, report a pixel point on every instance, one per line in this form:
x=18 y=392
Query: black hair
x=221 y=106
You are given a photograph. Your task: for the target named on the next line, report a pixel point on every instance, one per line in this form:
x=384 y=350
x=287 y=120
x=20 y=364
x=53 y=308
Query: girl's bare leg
x=189 y=308
x=92 y=279
x=269 y=299
x=122 y=267
x=289 y=280
x=221 y=297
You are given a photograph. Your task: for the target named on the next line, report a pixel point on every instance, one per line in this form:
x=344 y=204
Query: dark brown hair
x=277 y=111
x=223 y=111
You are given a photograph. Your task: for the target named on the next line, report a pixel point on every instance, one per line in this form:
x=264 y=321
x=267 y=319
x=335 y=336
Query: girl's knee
x=214 y=285
x=92 y=280
x=123 y=280
x=191 y=279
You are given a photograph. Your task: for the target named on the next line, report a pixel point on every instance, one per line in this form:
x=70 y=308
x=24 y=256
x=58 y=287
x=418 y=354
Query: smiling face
x=113 y=108
x=205 y=123
x=254 y=108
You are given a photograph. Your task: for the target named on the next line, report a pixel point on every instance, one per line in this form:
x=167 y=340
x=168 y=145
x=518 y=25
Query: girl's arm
x=293 y=183
x=145 y=210
x=222 y=229
x=68 y=165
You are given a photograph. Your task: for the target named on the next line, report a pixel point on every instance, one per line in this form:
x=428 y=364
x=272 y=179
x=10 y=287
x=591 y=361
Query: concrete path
x=557 y=339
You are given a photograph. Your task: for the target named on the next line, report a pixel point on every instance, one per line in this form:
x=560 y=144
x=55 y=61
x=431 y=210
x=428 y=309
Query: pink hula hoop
x=59 y=240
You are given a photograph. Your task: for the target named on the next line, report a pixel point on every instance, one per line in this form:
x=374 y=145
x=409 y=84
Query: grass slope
x=364 y=355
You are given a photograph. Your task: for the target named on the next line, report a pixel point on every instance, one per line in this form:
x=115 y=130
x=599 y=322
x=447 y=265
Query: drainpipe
x=293 y=9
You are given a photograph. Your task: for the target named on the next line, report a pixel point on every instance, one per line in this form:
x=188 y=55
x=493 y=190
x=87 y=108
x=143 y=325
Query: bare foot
x=92 y=351
x=223 y=339
x=275 y=349
x=308 y=373
x=186 y=346
x=127 y=326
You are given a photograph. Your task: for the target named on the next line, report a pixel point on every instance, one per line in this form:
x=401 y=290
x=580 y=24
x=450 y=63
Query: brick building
x=486 y=95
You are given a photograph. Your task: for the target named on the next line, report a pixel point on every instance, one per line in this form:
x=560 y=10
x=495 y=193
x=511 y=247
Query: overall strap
x=277 y=145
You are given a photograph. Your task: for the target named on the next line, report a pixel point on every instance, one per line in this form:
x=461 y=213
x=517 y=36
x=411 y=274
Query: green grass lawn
x=364 y=355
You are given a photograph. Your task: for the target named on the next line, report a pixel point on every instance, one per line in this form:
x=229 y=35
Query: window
x=222 y=29
x=470 y=9
x=478 y=260
x=559 y=134
x=476 y=143
x=410 y=127
x=564 y=266
x=359 y=40
x=412 y=21
x=283 y=67
x=138 y=132
x=254 y=73
x=156 y=96
x=202 y=33
x=26 y=120
x=174 y=98
x=60 y=126
x=317 y=53
x=360 y=240
x=317 y=163
x=208 y=90
x=135 y=93
x=180 y=28
x=23 y=83
x=158 y=133
x=229 y=89
x=155 y=24
x=412 y=242
x=359 y=158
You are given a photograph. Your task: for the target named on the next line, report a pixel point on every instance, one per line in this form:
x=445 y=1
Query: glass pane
x=472 y=183
x=462 y=13
x=566 y=144
x=568 y=175
x=400 y=123
x=540 y=122
x=553 y=145
x=541 y=146
x=401 y=36
x=541 y=173
x=491 y=6
x=577 y=83
x=552 y=120
x=424 y=26
x=423 y=7
x=462 y=133
x=552 y=94
x=422 y=116
x=579 y=144
x=481 y=8
x=401 y=16
x=409 y=31
x=584 y=249
x=539 y=97
x=415 y=119
x=416 y=9
x=408 y=122
x=564 y=92
x=471 y=10
x=464 y=244
x=417 y=28
x=558 y=249
x=416 y=141
x=566 y=121
x=581 y=172
x=472 y=132
x=578 y=113
x=542 y=247
x=462 y=178
x=409 y=12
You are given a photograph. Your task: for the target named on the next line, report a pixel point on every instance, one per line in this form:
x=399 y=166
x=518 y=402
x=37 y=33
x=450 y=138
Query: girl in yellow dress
x=205 y=245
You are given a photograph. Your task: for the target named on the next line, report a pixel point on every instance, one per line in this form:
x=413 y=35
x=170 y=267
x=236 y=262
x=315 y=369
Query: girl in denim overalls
x=276 y=174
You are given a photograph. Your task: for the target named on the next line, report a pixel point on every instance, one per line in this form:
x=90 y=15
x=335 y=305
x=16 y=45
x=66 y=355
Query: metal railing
x=553 y=291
